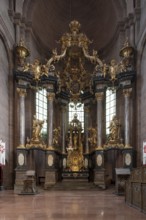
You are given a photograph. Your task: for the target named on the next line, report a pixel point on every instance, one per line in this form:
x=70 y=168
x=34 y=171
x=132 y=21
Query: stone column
x=63 y=128
x=132 y=32
x=86 y=126
x=17 y=21
x=99 y=98
x=22 y=94
x=137 y=22
x=51 y=97
x=127 y=93
x=17 y=26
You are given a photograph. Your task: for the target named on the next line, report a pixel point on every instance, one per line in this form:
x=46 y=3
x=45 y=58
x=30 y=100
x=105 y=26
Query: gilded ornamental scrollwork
x=74 y=78
x=36 y=69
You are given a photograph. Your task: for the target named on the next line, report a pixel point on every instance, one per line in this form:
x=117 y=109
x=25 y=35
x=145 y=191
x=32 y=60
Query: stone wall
x=6 y=91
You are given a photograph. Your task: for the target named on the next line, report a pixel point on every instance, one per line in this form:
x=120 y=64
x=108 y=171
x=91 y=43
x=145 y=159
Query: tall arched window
x=110 y=107
x=41 y=107
x=79 y=110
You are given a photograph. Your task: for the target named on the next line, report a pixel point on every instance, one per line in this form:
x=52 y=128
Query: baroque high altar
x=78 y=76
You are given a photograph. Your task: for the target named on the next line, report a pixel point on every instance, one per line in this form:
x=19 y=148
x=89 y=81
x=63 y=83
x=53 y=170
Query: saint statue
x=92 y=136
x=114 y=130
x=36 y=128
x=56 y=136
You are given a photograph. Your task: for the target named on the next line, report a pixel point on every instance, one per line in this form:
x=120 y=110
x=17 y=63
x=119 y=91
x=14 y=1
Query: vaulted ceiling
x=98 y=19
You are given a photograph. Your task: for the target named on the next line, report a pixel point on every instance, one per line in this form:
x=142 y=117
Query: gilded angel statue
x=113 y=69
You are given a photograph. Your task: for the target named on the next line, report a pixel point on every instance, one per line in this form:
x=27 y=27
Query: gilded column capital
x=50 y=96
x=99 y=95
x=86 y=109
x=127 y=92
x=21 y=92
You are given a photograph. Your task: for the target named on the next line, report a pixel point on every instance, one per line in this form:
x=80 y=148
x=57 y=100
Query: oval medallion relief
x=50 y=160
x=99 y=160
x=21 y=159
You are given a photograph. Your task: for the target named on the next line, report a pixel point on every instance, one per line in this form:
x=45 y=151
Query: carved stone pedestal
x=20 y=169
x=53 y=166
x=50 y=178
x=99 y=174
x=128 y=158
x=19 y=181
x=100 y=178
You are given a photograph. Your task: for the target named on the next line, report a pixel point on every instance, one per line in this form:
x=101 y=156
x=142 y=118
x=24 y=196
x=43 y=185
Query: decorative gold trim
x=113 y=146
x=50 y=148
x=21 y=146
x=21 y=92
x=99 y=148
x=127 y=92
x=99 y=96
x=127 y=146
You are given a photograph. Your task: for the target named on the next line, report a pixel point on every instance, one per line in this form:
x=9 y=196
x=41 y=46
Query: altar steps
x=74 y=185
